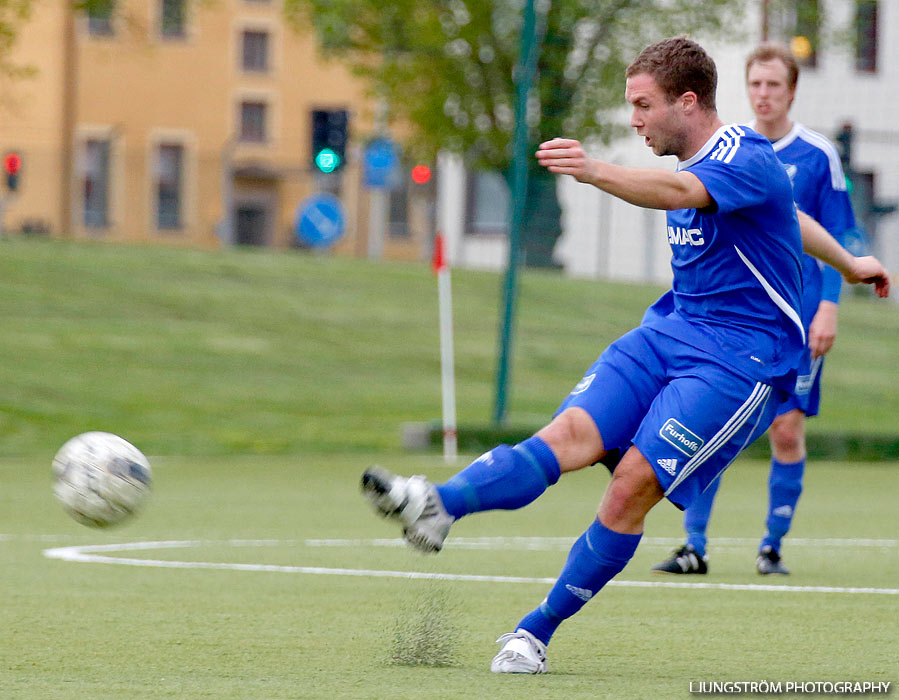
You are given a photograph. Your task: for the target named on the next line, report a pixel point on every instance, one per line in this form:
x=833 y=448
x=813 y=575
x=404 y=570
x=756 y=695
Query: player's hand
x=868 y=270
x=823 y=329
x=566 y=157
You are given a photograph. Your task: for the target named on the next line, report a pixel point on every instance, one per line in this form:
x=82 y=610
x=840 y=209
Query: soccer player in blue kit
x=819 y=189
x=698 y=380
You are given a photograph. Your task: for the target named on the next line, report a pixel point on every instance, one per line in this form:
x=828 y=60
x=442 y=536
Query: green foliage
x=446 y=67
x=13 y=13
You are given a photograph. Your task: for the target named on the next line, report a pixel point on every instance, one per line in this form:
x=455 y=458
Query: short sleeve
x=734 y=177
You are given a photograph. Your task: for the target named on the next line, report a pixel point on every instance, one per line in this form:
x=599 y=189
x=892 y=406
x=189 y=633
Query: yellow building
x=150 y=122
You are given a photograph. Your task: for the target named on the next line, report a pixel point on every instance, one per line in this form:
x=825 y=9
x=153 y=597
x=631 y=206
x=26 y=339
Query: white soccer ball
x=100 y=479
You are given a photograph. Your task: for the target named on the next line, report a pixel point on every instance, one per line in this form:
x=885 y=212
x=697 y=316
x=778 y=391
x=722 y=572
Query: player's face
x=769 y=92
x=657 y=121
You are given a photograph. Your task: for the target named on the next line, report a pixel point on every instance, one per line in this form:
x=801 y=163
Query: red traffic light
x=421 y=174
x=12 y=163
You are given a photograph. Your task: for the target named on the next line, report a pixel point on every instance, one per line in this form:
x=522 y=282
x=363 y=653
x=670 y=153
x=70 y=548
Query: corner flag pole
x=440 y=266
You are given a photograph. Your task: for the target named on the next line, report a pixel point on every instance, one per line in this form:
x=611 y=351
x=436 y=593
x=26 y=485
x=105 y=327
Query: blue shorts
x=688 y=413
x=807 y=395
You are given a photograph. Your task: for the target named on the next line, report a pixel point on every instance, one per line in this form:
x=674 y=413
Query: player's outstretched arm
x=645 y=187
x=819 y=243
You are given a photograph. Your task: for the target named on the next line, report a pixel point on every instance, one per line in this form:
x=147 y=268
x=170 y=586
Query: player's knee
x=617 y=509
x=787 y=434
x=574 y=439
x=633 y=491
x=788 y=437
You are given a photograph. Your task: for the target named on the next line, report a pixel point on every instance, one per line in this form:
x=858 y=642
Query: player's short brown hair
x=771 y=50
x=679 y=65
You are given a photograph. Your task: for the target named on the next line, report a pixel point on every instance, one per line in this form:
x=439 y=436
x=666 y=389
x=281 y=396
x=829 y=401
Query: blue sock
x=784 y=488
x=696 y=517
x=596 y=557
x=505 y=478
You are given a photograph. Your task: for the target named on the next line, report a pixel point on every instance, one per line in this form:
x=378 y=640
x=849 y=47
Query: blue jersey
x=737 y=281
x=819 y=188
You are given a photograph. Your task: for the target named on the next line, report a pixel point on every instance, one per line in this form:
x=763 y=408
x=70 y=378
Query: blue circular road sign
x=320 y=220
x=380 y=161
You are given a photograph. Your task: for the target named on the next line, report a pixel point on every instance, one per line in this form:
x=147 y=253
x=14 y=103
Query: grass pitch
x=261 y=352
x=256 y=590
x=267 y=381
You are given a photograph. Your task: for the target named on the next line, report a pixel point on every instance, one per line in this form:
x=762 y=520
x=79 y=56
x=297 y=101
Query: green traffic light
x=327 y=160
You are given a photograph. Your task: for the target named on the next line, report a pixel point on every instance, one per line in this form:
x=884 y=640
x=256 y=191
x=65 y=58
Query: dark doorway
x=251 y=225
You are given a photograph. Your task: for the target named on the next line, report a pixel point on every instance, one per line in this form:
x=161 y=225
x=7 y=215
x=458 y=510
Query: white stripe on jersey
x=837 y=178
x=775 y=297
x=730 y=144
x=823 y=144
x=758 y=397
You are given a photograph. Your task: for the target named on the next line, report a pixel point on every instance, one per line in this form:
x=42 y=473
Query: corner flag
x=440 y=266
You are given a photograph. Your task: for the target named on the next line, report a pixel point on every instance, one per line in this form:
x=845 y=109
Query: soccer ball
x=100 y=479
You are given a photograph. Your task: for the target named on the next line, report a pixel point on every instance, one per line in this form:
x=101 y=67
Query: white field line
x=89 y=554
x=564 y=543
x=522 y=543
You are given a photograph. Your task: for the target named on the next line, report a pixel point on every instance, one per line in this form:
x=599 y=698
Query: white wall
x=835 y=93
x=607 y=238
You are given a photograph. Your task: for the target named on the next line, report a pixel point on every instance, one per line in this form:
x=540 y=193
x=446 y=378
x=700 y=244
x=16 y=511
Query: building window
x=487 y=203
x=866 y=36
x=252 y=121
x=172 y=19
x=99 y=18
x=798 y=24
x=96 y=183
x=255 y=51
x=169 y=178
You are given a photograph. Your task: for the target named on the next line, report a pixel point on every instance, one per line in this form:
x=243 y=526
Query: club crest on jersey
x=678 y=235
x=682 y=438
x=584 y=384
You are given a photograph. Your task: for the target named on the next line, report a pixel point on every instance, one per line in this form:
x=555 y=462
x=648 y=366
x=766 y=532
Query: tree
x=13 y=13
x=446 y=70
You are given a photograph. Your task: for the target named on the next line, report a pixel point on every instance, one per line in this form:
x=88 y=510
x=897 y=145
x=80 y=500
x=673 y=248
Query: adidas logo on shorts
x=669 y=465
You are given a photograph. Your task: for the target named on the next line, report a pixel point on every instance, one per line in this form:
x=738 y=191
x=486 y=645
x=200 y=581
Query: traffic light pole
x=12 y=166
x=379 y=201
x=525 y=72
x=377 y=223
x=226 y=224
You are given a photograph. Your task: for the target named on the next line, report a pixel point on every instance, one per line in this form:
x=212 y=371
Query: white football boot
x=522 y=652
x=414 y=502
